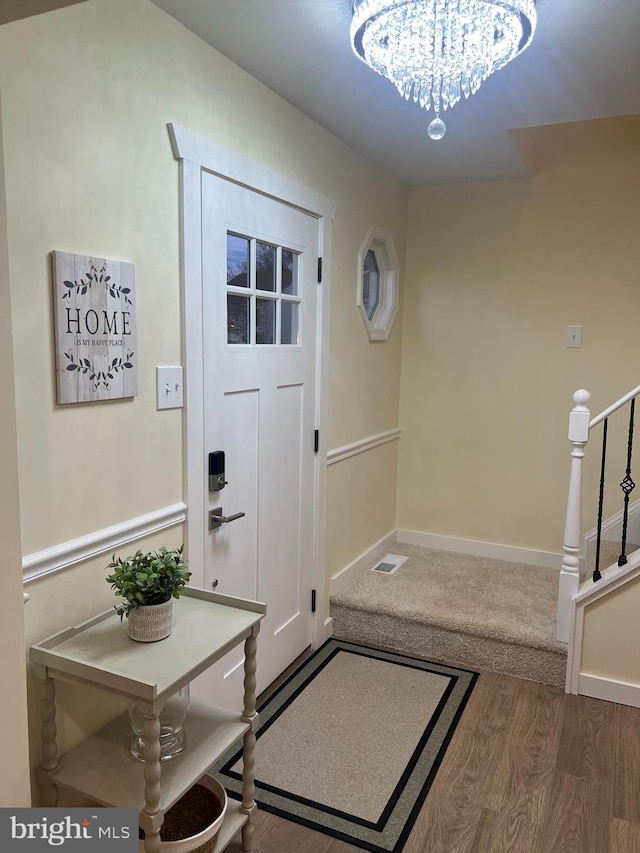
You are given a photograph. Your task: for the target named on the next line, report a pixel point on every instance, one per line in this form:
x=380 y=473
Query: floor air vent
x=389 y=564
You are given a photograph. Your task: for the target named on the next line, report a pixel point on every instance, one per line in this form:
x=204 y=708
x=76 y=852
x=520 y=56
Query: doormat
x=350 y=744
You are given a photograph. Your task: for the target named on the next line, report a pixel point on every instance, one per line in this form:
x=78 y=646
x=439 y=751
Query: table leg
x=151 y=733
x=249 y=743
x=49 y=752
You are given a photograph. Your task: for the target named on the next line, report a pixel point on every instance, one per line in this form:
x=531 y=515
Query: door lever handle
x=217 y=519
x=225 y=519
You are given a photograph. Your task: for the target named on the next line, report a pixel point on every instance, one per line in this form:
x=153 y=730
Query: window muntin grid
x=264 y=293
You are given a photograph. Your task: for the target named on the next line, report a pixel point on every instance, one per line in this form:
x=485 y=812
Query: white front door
x=260 y=297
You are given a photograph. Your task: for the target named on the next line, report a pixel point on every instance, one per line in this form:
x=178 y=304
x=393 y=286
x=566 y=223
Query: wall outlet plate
x=169 y=388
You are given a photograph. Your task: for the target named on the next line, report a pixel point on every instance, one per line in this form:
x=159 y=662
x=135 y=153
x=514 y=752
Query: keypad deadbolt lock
x=216 y=471
x=216 y=483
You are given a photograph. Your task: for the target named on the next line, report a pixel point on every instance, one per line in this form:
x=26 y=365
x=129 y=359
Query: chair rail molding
x=361 y=446
x=74 y=551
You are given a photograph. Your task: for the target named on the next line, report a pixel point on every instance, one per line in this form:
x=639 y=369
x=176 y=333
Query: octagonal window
x=370 y=284
x=378 y=283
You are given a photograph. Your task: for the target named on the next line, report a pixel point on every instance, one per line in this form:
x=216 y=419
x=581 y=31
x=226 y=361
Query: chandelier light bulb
x=436 y=51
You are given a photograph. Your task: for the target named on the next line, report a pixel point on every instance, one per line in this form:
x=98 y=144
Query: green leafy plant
x=145 y=579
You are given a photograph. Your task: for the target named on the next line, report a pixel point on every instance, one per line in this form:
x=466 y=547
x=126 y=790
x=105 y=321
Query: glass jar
x=172 y=735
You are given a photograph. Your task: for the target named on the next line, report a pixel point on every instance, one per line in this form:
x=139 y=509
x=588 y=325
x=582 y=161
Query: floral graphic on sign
x=98 y=277
x=99 y=377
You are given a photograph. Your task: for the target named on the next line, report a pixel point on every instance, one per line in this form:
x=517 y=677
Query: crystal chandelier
x=436 y=51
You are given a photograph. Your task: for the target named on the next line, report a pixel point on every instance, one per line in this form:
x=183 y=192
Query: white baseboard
x=377 y=550
x=110 y=538
x=511 y=553
x=621 y=692
x=325 y=633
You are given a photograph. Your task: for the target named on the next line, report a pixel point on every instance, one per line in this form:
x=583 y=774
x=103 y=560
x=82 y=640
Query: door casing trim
x=195 y=154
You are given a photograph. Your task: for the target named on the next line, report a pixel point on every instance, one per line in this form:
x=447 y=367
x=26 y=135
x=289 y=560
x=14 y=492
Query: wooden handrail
x=614 y=407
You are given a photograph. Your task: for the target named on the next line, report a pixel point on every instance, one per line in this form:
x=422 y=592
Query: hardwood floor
x=529 y=770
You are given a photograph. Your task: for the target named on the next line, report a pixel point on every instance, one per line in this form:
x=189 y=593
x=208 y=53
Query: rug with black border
x=350 y=744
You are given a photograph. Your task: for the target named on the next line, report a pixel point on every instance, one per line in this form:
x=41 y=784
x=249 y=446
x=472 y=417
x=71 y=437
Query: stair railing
x=580 y=427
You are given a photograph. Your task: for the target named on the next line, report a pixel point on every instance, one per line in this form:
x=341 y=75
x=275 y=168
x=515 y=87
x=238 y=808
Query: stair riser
x=465 y=650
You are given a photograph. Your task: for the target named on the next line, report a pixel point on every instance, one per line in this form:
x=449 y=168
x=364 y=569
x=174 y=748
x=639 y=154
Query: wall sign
x=95 y=328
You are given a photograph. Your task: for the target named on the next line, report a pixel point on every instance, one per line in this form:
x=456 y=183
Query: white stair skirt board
x=389 y=564
x=371 y=555
x=511 y=553
x=613 y=578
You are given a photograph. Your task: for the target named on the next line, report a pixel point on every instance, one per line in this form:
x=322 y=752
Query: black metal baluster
x=627 y=486
x=596 y=571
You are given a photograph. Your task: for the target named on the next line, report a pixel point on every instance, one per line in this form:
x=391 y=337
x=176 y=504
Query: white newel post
x=570 y=570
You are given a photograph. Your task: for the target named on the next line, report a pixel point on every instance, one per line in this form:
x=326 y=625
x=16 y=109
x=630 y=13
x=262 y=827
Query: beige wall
x=611 y=636
x=14 y=786
x=86 y=133
x=494 y=274
x=360 y=511
x=88 y=91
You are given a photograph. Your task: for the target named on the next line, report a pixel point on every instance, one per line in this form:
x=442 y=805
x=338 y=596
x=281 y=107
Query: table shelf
x=100 y=653
x=102 y=768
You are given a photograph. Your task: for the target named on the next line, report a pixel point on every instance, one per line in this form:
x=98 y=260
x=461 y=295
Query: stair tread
x=499 y=600
x=609 y=553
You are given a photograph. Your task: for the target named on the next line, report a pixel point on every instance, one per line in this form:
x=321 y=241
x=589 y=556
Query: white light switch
x=574 y=336
x=169 y=387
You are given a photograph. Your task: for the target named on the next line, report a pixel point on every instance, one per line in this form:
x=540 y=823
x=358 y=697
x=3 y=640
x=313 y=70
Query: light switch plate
x=574 y=336
x=169 y=388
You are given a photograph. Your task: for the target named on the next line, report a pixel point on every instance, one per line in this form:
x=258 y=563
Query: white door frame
x=196 y=153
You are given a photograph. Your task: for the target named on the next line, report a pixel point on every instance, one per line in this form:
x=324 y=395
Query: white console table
x=100 y=653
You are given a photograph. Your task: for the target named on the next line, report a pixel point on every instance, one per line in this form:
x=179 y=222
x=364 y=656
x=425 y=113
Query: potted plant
x=148 y=583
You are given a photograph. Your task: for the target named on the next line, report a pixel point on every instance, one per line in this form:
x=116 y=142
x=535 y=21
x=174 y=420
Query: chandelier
x=436 y=51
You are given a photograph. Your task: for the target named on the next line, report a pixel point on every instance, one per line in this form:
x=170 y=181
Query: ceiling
x=584 y=63
x=13 y=10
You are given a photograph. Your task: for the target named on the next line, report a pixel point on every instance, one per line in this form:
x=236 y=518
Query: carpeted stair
x=475 y=612
x=609 y=553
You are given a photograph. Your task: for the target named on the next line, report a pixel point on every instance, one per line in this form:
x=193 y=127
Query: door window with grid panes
x=263 y=293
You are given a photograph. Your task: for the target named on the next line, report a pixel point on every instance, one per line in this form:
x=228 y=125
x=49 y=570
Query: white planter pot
x=204 y=841
x=151 y=622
